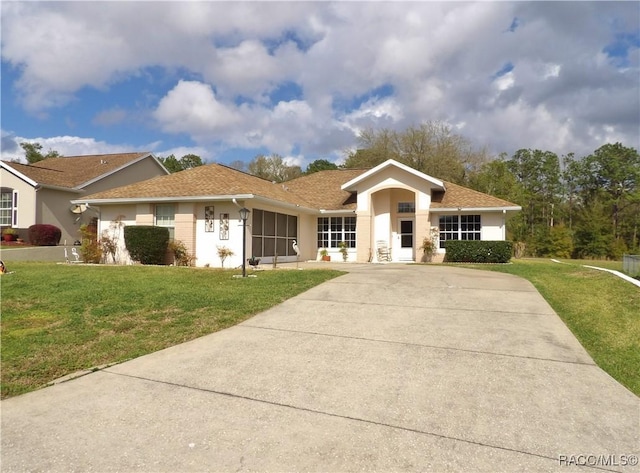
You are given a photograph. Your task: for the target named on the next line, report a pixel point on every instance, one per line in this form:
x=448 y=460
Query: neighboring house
x=390 y=205
x=42 y=192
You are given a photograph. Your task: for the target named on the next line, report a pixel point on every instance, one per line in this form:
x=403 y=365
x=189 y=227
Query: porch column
x=422 y=231
x=363 y=237
x=185 y=229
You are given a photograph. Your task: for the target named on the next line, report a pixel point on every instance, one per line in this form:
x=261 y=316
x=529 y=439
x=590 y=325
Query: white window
x=462 y=227
x=8 y=208
x=406 y=207
x=333 y=230
x=166 y=217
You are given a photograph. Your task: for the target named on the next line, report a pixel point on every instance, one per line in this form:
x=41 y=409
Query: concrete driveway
x=388 y=368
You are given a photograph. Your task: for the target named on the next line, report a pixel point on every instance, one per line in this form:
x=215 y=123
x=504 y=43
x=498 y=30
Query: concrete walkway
x=388 y=368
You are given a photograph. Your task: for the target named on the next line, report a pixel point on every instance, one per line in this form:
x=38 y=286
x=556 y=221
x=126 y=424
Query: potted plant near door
x=324 y=255
x=344 y=251
x=428 y=249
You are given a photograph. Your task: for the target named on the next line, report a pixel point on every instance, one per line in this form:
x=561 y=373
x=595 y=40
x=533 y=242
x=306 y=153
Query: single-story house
x=42 y=192
x=390 y=207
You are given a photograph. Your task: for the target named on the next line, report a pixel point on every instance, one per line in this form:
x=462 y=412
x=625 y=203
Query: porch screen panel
x=256 y=231
x=273 y=233
x=292 y=233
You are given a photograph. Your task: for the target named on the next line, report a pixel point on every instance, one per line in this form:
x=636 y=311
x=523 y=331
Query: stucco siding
x=26 y=200
x=52 y=207
x=109 y=227
x=492 y=226
x=136 y=172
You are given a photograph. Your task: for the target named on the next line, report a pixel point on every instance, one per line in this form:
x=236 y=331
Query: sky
x=228 y=81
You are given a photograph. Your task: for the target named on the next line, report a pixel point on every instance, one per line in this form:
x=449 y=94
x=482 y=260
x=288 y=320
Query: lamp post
x=244 y=215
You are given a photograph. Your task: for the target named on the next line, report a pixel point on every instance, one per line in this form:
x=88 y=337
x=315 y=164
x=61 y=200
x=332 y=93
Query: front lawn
x=602 y=310
x=60 y=318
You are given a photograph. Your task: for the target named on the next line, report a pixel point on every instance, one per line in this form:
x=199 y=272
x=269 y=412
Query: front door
x=404 y=251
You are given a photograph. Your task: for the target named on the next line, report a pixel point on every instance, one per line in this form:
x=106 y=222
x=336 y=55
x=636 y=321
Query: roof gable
x=76 y=172
x=352 y=184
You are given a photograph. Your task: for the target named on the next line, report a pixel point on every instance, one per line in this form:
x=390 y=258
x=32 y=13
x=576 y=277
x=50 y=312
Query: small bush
x=43 y=234
x=90 y=251
x=464 y=251
x=181 y=254
x=146 y=244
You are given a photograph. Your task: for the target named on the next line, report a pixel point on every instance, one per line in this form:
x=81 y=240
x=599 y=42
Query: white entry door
x=403 y=250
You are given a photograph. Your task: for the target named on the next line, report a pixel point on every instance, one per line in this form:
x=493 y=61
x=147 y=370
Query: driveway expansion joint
x=348 y=418
x=419 y=345
x=414 y=306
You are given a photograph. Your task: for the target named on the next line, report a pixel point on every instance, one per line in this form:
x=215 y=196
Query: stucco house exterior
x=391 y=206
x=42 y=192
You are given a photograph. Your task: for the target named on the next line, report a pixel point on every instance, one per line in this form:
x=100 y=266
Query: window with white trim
x=8 y=207
x=459 y=227
x=333 y=230
x=166 y=217
x=406 y=207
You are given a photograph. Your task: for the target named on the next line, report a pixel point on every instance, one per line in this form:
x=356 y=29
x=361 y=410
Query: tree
x=431 y=148
x=188 y=161
x=239 y=165
x=273 y=168
x=171 y=163
x=612 y=173
x=320 y=165
x=33 y=154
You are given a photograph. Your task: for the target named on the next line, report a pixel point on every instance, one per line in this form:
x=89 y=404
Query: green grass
x=602 y=310
x=58 y=319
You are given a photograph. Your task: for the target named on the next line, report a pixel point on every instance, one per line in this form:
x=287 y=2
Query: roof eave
x=141 y=200
x=18 y=174
x=475 y=209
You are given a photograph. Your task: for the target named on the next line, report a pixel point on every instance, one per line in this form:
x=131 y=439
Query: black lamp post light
x=244 y=215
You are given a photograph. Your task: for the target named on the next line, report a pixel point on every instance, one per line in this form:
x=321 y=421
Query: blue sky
x=228 y=81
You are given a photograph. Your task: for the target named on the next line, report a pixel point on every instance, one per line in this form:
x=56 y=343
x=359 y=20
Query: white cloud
x=191 y=107
x=67 y=146
x=439 y=58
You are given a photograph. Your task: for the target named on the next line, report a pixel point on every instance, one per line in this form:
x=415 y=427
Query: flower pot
x=8 y=237
x=326 y=258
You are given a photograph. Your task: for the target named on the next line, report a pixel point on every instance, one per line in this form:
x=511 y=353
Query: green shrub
x=43 y=234
x=146 y=244
x=466 y=251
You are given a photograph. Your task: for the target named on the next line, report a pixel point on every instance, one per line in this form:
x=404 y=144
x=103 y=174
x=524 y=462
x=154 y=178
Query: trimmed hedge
x=44 y=234
x=146 y=244
x=471 y=251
